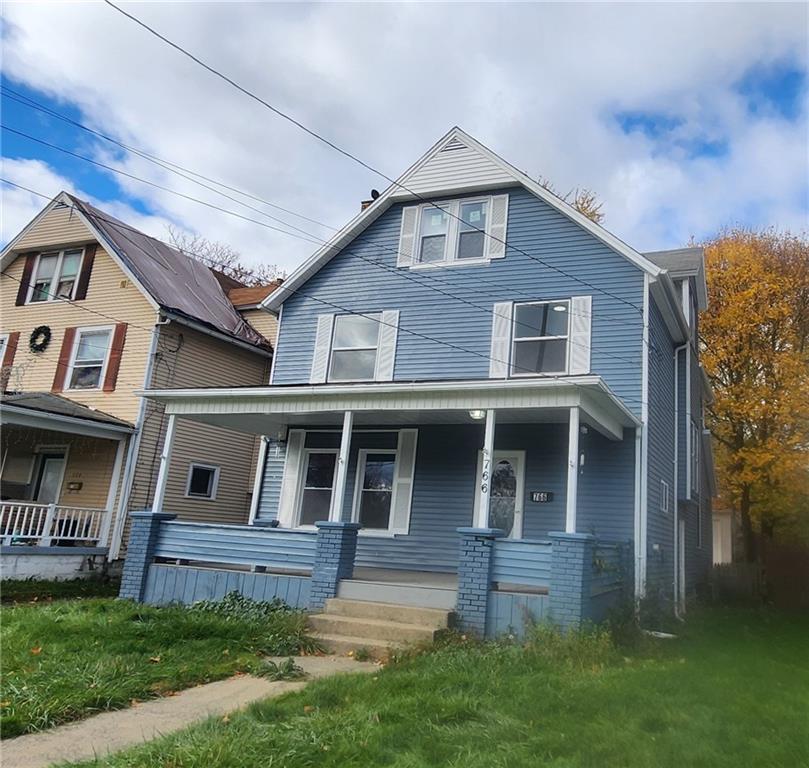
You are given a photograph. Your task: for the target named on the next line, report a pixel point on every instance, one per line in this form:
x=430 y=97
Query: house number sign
x=541 y=497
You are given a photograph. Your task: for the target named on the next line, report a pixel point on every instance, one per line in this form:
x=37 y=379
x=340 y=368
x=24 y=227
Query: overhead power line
x=281 y=113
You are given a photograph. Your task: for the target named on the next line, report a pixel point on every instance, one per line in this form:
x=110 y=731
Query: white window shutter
x=496 y=229
x=292 y=471
x=320 y=356
x=501 y=340
x=386 y=352
x=407 y=236
x=581 y=315
x=403 y=481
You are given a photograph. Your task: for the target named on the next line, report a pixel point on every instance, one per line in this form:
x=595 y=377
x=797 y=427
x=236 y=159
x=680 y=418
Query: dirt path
x=113 y=731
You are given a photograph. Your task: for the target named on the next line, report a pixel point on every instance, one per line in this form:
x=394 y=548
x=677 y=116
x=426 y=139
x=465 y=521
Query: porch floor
x=415 y=578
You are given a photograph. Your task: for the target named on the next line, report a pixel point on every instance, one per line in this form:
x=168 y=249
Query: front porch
x=441 y=495
x=61 y=470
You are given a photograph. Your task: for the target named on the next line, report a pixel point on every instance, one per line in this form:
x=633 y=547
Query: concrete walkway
x=112 y=731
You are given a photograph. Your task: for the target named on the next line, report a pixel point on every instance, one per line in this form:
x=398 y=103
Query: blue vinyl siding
x=443 y=490
x=660 y=536
x=682 y=424
x=350 y=282
x=270 y=492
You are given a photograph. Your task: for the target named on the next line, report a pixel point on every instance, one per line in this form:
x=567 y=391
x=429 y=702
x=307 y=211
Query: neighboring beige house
x=93 y=312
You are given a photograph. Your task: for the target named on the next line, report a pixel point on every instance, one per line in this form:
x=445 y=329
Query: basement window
x=203 y=480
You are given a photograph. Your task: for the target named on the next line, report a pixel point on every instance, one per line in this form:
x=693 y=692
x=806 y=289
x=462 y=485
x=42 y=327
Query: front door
x=49 y=478
x=507 y=492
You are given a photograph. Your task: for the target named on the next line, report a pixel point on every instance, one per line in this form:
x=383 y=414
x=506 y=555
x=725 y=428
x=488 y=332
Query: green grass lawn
x=31 y=591
x=732 y=691
x=68 y=659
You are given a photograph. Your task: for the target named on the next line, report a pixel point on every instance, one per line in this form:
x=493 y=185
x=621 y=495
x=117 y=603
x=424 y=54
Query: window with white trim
x=55 y=275
x=202 y=482
x=354 y=346
x=3 y=342
x=453 y=231
x=694 y=458
x=664 y=497
x=373 y=498
x=540 y=332
x=88 y=362
x=317 y=485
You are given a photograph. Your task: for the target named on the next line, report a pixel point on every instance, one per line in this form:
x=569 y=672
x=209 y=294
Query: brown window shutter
x=8 y=359
x=25 y=280
x=86 y=269
x=114 y=363
x=64 y=360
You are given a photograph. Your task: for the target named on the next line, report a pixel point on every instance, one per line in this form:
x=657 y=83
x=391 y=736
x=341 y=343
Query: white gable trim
x=10 y=253
x=508 y=176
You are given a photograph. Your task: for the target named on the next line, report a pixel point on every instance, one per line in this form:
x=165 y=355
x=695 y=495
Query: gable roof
x=455 y=164
x=681 y=263
x=47 y=402
x=175 y=283
x=247 y=297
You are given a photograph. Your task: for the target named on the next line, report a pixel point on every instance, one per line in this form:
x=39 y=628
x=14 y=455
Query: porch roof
x=44 y=410
x=269 y=410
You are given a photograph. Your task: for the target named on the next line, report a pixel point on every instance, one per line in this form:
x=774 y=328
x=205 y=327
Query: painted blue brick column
x=475 y=577
x=334 y=560
x=571 y=578
x=140 y=552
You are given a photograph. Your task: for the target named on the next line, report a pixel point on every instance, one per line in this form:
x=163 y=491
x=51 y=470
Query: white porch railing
x=24 y=522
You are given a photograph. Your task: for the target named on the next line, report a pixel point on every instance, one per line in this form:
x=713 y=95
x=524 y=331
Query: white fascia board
x=396 y=193
x=202 y=328
x=668 y=302
x=25 y=417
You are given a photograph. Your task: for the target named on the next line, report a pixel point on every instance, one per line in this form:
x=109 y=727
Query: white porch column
x=104 y=533
x=484 y=481
x=572 y=471
x=341 y=470
x=165 y=460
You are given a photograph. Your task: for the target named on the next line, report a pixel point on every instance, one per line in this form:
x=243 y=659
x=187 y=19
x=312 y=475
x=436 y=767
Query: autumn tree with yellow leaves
x=755 y=348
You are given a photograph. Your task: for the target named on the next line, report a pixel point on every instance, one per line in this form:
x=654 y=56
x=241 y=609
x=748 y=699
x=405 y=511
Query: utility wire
x=310 y=237
x=27 y=101
x=356 y=159
x=368 y=316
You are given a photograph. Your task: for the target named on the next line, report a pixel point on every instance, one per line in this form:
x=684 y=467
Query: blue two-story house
x=480 y=401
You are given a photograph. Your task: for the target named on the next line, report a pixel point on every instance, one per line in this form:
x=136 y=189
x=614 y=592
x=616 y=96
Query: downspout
x=675 y=507
x=134 y=447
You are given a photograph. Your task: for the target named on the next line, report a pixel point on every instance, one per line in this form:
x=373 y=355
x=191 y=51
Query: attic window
x=55 y=275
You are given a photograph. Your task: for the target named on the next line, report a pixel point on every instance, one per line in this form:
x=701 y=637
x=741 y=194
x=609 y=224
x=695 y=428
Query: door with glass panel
x=317 y=485
x=49 y=478
x=374 y=492
x=507 y=491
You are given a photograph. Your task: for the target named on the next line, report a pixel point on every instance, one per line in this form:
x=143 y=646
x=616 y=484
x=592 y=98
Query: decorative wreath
x=40 y=338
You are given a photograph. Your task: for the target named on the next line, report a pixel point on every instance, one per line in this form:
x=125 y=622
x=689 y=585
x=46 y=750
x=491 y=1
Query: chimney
x=365 y=203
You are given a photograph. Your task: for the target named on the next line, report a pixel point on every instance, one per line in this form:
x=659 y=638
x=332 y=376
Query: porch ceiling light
x=477 y=415
x=559 y=308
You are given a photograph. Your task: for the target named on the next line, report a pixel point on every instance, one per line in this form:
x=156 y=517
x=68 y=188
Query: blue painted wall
x=534 y=227
x=660 y=526
x=443 y=491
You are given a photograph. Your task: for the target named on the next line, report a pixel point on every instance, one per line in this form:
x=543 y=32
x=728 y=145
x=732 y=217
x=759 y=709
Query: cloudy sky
x=682 y=118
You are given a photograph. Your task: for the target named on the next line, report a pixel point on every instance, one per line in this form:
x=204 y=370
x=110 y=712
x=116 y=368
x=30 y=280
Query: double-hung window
x=374 y=495
x=355 y=342
x=540 y=331
x=450 y=232
x=91 y=351
x=317 y=485
x=55 y=275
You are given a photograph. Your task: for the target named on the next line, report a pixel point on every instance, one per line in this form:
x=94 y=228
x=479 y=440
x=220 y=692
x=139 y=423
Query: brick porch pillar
x=571 y=578
x=334 y=560
x=140 y=552
x=475 y=577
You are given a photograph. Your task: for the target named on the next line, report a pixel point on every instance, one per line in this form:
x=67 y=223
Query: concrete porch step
x=435 y=618
x=419 y=596
x=372 y=629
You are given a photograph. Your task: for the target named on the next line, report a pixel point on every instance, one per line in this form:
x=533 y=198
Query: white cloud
x=538 y=83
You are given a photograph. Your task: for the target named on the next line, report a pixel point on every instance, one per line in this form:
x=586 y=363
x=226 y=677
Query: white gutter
x=217 y=334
